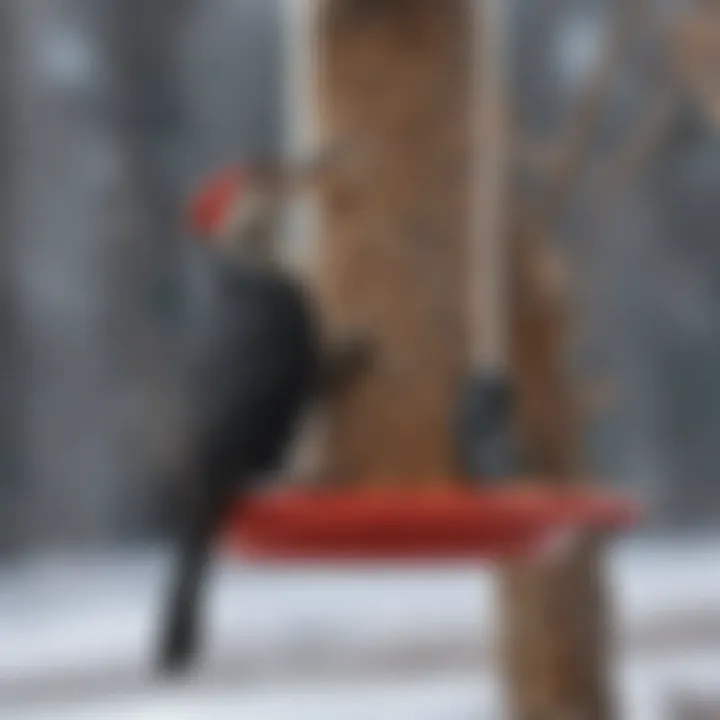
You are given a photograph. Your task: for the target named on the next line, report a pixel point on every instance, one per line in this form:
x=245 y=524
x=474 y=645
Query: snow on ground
x=645 y=691
x=455 y=698
x=60 y=615
x=76 y=637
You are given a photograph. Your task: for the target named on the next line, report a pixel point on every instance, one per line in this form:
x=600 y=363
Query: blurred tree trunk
x=393 y=260
x=144 y=45
x=67 y=419
x=9 y=375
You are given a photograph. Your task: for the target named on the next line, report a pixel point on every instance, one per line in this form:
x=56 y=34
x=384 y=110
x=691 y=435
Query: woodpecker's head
x=236 y=211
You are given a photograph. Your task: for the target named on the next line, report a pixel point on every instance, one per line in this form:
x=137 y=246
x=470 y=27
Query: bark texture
x=395 y=225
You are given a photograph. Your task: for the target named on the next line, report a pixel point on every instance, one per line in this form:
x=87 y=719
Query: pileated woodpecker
x=252 y=383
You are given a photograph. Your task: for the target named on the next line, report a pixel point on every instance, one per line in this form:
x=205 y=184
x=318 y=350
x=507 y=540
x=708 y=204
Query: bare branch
x=643 y=143
x=695 y=57
x=575 y=141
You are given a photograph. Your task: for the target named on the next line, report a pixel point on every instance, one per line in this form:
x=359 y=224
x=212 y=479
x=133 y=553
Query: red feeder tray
x=436 y=524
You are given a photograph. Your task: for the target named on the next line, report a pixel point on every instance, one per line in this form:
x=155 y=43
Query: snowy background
x=109 y=110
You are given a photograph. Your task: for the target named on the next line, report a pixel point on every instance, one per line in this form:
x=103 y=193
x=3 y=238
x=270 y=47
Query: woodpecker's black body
x=258 y=365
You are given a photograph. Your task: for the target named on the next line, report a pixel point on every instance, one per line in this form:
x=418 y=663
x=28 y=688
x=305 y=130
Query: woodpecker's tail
x=201 y=520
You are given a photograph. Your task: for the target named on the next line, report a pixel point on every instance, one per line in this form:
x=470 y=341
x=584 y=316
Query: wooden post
x=395 y=245
x=555 y=638
x=396 y=227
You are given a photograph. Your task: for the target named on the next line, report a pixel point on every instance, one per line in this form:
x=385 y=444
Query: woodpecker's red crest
x=211 y=205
